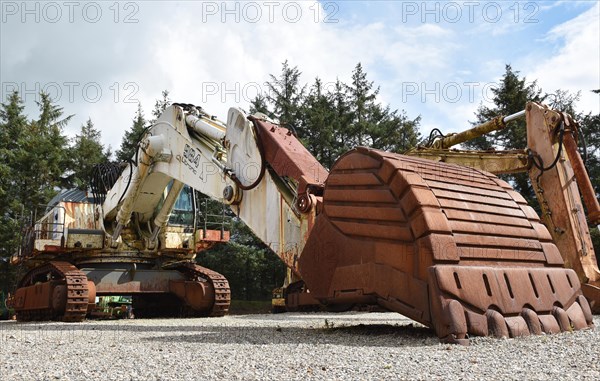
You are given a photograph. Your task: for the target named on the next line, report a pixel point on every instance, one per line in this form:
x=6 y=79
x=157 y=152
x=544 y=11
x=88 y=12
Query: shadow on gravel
x=380 y=335
x=359 y=335
x=345 y=334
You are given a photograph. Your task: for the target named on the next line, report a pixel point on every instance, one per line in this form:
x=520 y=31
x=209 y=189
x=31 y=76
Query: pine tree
x=12 y=125
x=361 y=98
x=376 y=125
x=286 y=95
x=318 y=124
x=35 y=163
x=86 y=152
x=42 y=160
x=160 y=106
x=260 y=104
x=129 y=144
x=342 y=120
x=510 y=97
x=394 y=132
x=590 y=130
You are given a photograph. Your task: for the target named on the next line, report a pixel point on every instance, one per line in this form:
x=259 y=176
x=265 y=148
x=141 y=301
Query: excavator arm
x=258 y=168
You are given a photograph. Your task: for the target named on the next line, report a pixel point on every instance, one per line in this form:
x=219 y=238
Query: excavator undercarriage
x=72 y=264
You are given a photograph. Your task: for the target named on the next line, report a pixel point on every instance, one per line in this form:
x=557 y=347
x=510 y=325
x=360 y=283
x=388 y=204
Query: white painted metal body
x=171 y=152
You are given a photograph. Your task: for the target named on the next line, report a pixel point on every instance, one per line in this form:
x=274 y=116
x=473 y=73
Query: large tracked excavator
x=452 y=247
x=137 y=236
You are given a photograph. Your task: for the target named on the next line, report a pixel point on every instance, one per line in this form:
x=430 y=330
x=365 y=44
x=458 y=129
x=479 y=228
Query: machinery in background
x=555 y=185
x=6 y=312
x=293 y=296
x=112 y=307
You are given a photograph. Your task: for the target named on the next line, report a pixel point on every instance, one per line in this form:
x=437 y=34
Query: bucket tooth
x=532 y=320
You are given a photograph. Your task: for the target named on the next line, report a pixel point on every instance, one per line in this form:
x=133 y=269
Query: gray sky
x=435 y=59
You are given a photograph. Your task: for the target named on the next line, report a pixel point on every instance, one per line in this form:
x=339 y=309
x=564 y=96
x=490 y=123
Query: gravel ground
x=346 y=346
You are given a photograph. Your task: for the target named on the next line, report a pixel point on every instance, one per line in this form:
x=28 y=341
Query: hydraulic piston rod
x=497 y=123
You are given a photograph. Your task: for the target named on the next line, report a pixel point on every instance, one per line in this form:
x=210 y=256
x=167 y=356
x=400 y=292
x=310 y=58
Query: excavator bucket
x=454 y=248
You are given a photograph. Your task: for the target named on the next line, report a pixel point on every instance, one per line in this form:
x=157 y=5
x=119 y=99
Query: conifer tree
x=132 y=138
x=286 y=95
x=86 y=152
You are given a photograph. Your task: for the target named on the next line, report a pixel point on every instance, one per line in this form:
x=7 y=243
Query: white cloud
x=575 y=65
x=179 y=47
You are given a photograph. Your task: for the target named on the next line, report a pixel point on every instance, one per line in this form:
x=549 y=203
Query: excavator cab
x=184 y=210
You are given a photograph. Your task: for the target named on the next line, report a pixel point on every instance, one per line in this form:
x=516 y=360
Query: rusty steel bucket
x=453 y=248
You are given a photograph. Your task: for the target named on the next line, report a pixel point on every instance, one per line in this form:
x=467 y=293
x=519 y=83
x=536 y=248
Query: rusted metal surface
x=197 y=295
x=559 y=197
x=496 y=162
x=287 y=156
x=212 y=297
x=551 y=147
x=84 y=239
x=300 y=300
x=451 y=247
x=57 y=290
x=583 y=180
x=205 y=239
x=113 y=239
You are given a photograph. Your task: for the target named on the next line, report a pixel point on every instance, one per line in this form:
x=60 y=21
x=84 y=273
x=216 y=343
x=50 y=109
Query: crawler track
x=59 y=274
x=219 y=283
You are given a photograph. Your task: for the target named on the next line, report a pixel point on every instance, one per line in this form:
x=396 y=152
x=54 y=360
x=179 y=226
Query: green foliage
x=12 y=127
x=131 y=139
x=376 y=125
x=35 y=160
x=361 y=98
x=332 y=122
x=590 y=128
x=43 y=158
x=160 y=106
x=86 y=152
x=510 y=97
x=286 y=95
x=259 y=104
x=319 y=125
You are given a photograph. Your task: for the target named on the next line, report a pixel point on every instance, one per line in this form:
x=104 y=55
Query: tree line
x=37 y=158
x=334 y=120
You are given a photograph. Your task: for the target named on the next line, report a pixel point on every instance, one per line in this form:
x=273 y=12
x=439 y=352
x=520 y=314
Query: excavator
x=452 y=247
x=136 y=238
